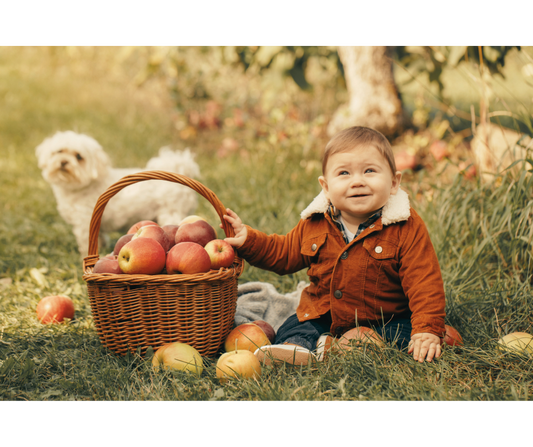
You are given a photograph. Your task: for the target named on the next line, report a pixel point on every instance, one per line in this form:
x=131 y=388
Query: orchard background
x=258 y=131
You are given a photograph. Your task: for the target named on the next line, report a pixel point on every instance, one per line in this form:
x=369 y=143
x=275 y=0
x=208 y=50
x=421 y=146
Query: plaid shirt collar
x=335 y=217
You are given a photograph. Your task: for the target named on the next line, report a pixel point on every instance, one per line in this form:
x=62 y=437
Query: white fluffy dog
x=79 y=171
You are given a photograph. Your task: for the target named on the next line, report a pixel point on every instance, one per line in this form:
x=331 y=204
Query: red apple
x=405 y=160
x=200 y=232
x=170 y=231
x=221 y=253
x=142 y=256
x=246 y=336
x=153 y=232
x=140 y=224
x=191 y=219
x=439 y=150
x=179 y=356
x=360 y=334
x=468 y=169
x=238 y=364
x=267 y=329
x=123 y=240
x=107 y=265
x=187 y=258
x=452 y=337
x=54 y=309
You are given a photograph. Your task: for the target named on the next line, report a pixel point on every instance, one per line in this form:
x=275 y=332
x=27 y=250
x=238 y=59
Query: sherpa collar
x=395 y=210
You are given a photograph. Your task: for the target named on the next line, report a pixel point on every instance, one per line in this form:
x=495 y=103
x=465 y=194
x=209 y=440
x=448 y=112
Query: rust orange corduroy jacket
x=390 y=269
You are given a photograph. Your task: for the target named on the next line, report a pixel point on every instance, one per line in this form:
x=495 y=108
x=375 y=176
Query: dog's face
x=71 y=160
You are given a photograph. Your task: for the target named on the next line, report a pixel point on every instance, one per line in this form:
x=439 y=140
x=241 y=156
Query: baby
x=369 y=257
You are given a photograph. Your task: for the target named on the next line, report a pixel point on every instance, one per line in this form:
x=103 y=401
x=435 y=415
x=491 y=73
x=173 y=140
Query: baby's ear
x=396 y=180
x=324 y=185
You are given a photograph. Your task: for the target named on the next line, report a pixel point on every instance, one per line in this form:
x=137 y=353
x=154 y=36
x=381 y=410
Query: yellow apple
x=238 y=364
x=517 y=341
x=247 y=336
x=178 y=356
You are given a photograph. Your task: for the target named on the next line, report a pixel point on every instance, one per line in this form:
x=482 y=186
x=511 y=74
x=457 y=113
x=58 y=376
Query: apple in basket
x=154 y=232
x=221 y=253
x=123 y=240
x=142 y=256
x=107 y=265
x=54 y=309
x=178 y=356
x=171 y=230
x=187 y=258
x=133 y=229
x=247 y=336
x=238 y=364
x=200 y=232
x=190 y=219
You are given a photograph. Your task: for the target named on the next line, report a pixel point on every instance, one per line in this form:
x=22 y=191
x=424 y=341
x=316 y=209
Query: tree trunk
x=374 y=98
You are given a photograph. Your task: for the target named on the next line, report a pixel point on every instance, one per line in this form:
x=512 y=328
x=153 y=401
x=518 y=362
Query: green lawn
x=482 y=234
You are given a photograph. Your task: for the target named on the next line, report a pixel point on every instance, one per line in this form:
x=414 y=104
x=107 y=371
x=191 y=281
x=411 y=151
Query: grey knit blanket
x=261 y=301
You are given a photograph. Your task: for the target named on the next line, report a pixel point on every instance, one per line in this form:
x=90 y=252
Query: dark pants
x=306 y=334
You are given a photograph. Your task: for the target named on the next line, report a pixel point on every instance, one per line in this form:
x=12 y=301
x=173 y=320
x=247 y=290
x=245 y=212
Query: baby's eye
x=344 y=173
x=369 y=170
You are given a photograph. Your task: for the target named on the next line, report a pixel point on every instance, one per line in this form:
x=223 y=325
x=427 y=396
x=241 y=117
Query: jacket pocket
x=320 y=265
x=311 y=247
x=380 y=249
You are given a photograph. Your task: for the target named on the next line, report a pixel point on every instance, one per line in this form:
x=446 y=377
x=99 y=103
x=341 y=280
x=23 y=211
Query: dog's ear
x=39 y=153
x=100 y=163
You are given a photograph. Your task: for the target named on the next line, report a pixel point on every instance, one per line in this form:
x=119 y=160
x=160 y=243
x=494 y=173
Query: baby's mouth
x=358 y=196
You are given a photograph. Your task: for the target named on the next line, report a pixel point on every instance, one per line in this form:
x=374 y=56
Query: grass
x=482 y=233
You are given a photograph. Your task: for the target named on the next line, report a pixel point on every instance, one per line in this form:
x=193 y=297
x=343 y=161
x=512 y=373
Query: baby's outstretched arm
x=240 y=230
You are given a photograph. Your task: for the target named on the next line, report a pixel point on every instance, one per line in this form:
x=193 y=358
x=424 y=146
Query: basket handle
x=99 y=208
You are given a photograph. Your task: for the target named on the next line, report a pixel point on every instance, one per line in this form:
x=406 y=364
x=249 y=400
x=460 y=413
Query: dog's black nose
x=64 y=163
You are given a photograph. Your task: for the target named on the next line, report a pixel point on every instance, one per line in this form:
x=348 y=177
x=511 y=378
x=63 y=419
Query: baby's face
x=359 y=182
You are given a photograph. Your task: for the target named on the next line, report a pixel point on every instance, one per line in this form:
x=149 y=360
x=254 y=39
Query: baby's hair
x=347 y=139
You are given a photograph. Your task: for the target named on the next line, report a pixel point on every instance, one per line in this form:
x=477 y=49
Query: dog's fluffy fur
x=79 y=171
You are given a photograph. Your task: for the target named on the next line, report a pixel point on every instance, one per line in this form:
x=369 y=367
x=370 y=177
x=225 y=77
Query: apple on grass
x=54 y=309
x=187 y=258
x=238 y=364
x=221 y=253
x=178 y=356
x=133 y=229
x=452 y=337
x=154 y=232
x=357 y=336
x=122 y=240
x=517 y=341
x=200 y=232
x=107 y=265
x=267 y=329
x=142 y=256
x=248 y=336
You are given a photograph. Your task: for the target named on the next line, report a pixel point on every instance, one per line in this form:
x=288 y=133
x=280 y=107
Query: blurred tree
x=374 y=99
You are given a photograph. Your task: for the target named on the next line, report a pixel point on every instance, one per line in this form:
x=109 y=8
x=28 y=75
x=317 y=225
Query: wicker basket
x=134 y=312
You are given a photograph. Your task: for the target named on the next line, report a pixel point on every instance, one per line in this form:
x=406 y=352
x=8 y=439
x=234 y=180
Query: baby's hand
x=241 y=232
x=422 y=344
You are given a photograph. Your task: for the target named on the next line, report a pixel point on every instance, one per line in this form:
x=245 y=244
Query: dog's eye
x=79 y=157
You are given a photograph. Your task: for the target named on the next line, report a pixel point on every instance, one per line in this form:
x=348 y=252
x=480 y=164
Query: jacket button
x=378 y=249
x=344 y=255
x=337 y=294
x=313 y=247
